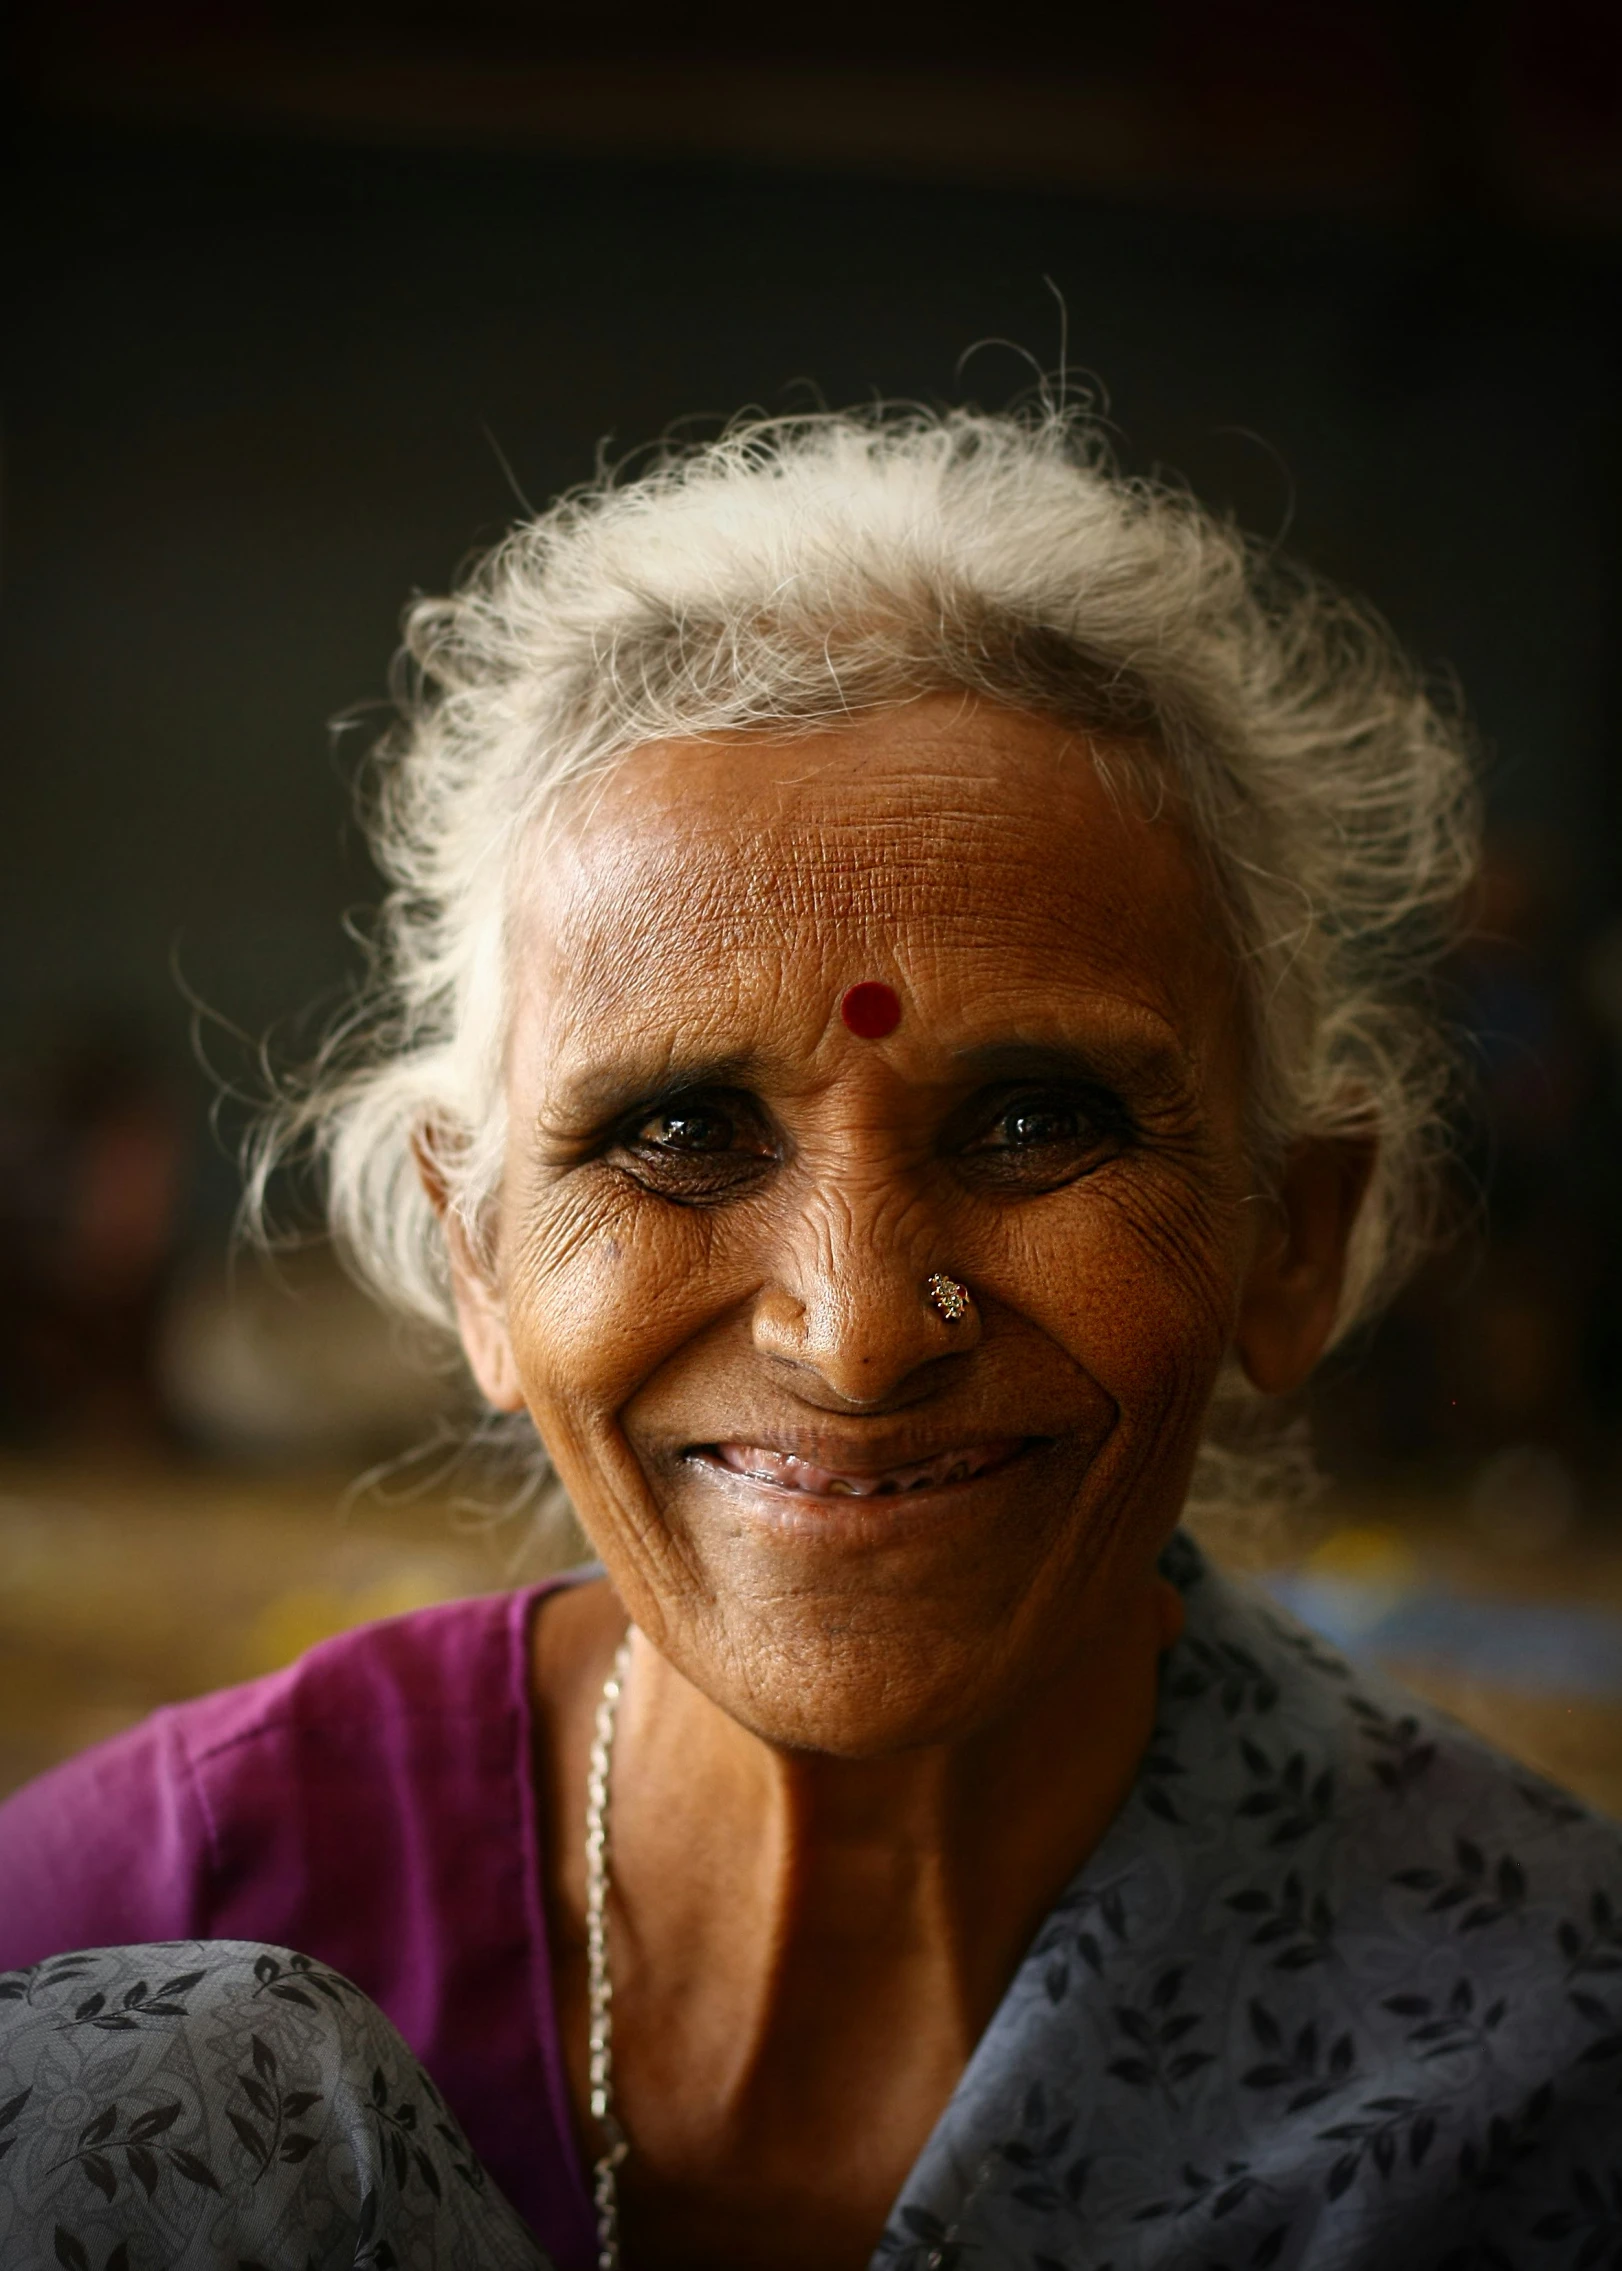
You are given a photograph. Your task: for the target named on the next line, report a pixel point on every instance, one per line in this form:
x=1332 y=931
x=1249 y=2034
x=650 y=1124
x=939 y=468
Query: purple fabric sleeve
x=373 y=1806
x=110 y=1847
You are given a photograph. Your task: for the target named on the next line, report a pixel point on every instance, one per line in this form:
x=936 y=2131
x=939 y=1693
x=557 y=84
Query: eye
x=687 y=1131
x=697 y=1150
x=1040 y=1139
x=1037 y=1123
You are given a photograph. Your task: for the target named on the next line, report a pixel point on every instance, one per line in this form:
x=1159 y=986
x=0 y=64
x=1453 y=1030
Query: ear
x=1293 y=1286
x=481 y=1314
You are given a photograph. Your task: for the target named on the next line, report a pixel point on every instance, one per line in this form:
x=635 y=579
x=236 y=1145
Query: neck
x=949 y=1853
x=786 y=1925
x=737 y=1861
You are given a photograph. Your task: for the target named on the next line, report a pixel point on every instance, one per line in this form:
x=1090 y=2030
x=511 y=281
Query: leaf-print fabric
x=214 y=2106
x=1340 y=1990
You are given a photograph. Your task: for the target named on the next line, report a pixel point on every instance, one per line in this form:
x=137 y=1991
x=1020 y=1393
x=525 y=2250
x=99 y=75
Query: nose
x=849 y=1304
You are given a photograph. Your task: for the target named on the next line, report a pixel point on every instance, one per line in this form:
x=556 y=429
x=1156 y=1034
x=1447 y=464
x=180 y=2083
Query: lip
x=826 y=1476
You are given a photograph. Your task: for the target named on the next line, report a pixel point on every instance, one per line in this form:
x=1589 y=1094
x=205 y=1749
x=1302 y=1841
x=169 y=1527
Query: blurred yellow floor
x=121 y=1590
x=1574 y=1737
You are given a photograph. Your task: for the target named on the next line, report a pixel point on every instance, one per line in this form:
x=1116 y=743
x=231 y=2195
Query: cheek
x=1136 y=1278
x=598 y=1296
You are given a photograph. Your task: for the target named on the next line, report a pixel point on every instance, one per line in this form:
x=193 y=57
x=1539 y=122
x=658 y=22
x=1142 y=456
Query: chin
x=861 y=1627
x=859 y=1699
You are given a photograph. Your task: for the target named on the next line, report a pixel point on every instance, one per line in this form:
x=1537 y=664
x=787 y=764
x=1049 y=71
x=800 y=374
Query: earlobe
x=481 y=1317
x=1293 y=1287
x=480 y=1312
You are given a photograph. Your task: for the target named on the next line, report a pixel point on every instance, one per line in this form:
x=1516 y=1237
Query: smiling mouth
x=783 y=1470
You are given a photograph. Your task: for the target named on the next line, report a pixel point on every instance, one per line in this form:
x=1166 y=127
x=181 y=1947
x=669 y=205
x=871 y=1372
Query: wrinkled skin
x=866 y=1738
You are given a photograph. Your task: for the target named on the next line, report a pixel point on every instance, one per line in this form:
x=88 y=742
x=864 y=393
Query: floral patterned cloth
x=1340 y=1990
x=216 y=2106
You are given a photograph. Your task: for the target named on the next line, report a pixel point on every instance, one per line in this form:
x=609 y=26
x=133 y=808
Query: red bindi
x=871 y=1010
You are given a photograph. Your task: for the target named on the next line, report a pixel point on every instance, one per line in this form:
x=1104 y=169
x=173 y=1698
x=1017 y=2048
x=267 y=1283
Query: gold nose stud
x=950 y=1298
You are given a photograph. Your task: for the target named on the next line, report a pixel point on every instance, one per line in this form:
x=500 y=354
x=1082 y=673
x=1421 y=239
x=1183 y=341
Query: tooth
x=787 y=1470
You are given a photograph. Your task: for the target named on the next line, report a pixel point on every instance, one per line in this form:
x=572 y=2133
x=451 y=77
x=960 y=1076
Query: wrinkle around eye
x=695 y=1177
x=1032 y=1171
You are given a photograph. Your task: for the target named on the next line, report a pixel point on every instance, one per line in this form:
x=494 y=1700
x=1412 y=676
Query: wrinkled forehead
x=998 y=851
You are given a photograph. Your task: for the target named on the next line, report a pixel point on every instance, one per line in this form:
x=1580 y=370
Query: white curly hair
x=796 y=572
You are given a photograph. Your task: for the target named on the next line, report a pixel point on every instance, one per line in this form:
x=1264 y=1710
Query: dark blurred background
x=303 y=302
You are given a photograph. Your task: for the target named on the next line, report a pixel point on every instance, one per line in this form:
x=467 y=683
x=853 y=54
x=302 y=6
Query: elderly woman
x=899 y=1021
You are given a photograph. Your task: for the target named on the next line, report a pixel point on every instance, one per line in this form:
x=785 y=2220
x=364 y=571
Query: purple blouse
x=372 y=1806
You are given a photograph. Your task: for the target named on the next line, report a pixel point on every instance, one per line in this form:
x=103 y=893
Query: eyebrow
x=1120 y=1056
x=606 y=1091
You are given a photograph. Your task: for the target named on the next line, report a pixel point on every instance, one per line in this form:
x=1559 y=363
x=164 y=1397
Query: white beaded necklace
x=599 y=1984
